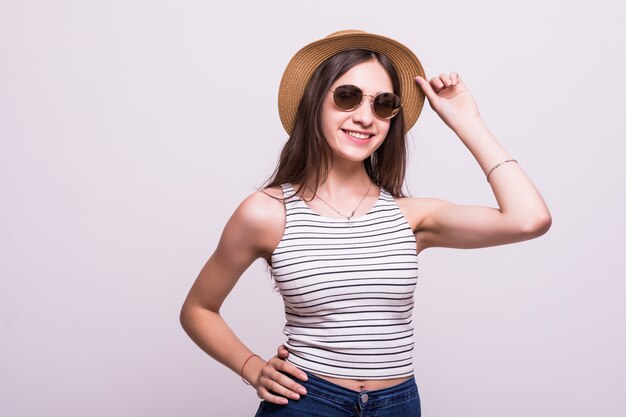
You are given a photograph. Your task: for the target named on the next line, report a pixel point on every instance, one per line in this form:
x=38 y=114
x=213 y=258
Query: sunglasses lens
x=386 y=105
x=347 y=97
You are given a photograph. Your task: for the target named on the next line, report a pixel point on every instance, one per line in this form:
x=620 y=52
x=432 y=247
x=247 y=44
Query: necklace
x=340 y=213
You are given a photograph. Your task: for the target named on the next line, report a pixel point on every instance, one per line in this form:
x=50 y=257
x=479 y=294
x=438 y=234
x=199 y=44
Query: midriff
x=364 y=385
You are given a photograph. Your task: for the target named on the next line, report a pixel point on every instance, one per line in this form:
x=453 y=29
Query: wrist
x=251 y=371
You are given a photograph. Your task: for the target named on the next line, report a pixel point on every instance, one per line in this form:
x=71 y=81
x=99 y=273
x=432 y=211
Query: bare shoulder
x=260 y=220
x=266 y=204
x=417 y=209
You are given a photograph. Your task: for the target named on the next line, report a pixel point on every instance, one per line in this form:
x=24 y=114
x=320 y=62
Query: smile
x=357 y=135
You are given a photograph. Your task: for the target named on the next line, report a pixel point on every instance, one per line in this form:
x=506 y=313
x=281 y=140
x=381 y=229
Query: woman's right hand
x=276 y=387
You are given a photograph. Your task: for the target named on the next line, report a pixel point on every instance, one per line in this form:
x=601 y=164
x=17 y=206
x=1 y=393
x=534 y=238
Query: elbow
x=193 y=316
x=185 y=317
x=536 y=225
x=182 y=317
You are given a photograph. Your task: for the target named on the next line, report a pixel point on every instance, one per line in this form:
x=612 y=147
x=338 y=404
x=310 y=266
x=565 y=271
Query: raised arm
x=521 y=213
x=253 y=231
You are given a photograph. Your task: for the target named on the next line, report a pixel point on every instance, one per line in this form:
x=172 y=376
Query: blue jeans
x=324 y=399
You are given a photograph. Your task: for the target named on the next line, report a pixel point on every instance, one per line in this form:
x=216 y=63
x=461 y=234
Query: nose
x=364 y=114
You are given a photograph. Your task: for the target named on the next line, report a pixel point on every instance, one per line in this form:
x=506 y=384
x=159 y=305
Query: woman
x=342 y=239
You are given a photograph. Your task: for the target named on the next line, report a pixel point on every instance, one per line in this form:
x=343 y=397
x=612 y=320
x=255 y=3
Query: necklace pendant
x=349 y=218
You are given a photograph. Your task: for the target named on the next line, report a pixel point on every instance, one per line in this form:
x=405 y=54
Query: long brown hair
x=306 y=156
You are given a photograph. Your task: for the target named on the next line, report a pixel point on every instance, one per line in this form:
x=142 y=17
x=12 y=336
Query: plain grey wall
x=130 y=131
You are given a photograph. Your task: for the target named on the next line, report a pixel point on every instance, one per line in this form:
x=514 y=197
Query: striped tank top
x=348 y=290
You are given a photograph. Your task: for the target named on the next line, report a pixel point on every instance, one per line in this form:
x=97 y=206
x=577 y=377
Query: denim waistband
x=365 y=399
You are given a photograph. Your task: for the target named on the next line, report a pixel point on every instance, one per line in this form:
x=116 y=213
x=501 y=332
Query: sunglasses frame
x=371 y=101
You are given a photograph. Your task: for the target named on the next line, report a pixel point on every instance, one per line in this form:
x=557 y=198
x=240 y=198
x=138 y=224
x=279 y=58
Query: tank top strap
x=288 y=191
x=290 y=197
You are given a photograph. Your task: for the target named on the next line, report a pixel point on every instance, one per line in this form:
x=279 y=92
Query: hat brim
x=306 y=61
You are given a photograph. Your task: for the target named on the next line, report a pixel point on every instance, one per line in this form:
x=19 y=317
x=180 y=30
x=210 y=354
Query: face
x=354 y=135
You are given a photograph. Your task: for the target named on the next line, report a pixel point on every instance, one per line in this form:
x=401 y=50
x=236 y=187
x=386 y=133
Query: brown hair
x=306 y=155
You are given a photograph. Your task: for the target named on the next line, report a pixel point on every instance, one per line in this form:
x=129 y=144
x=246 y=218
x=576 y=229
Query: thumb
x=427 y=89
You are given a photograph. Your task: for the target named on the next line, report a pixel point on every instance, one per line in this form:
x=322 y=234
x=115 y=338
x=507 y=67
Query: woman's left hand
x=450 y=99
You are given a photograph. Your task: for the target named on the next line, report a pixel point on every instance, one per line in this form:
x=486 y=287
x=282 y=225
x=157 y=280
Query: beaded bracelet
x=244 y=364
x=498 y=165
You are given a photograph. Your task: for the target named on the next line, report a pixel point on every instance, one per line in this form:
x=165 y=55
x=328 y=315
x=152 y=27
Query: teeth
x=357 y=135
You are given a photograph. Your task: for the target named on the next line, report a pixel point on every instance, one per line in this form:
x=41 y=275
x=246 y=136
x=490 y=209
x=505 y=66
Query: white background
x=130 y=131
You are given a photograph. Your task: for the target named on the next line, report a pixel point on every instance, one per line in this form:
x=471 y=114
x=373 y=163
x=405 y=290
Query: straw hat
x=306 y=61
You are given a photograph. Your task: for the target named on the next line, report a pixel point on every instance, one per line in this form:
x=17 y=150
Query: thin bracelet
x=498 y=165
x=244 y=364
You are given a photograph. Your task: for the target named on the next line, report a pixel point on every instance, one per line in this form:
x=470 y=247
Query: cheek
x=384 y=129
x=326 y=123
x=330 y=120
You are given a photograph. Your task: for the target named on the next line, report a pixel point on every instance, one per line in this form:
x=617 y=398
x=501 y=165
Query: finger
x=426 y=87
x=264 y=394
x=279 y=372
x=454 y=77
x=281 y=385
x=283 y=353
x=288 y=368
x=271 y=374
x=436 y=83
x=445 y=79
x=281 y=388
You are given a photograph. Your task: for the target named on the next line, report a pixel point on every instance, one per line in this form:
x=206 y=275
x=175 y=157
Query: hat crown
x=345 y=32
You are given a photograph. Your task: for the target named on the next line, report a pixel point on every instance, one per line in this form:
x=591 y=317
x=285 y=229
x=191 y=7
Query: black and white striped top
x=347 y=290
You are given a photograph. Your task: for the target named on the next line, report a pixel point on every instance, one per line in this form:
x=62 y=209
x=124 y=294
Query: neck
x=343 y=180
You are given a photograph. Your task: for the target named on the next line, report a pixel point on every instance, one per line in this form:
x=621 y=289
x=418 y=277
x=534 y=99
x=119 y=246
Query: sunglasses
x=350 y=97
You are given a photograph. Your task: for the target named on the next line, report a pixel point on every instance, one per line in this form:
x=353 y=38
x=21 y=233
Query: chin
x=353 y=157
